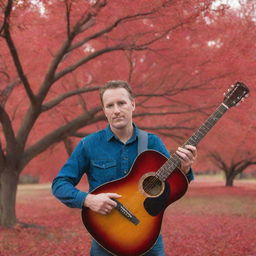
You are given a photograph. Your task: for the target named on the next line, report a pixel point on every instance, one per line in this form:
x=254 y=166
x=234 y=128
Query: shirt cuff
x=80 y=197
x=190 y=175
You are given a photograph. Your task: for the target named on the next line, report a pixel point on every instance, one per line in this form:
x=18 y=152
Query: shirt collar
x=110 y=135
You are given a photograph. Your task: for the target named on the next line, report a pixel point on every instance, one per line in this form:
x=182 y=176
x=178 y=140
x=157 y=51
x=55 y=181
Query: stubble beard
x=120 y=125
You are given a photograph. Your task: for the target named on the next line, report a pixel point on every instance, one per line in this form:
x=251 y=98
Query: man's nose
x=116 y=109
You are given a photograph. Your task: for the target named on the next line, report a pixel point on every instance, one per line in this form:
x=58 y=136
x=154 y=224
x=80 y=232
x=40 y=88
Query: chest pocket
x=103 y=171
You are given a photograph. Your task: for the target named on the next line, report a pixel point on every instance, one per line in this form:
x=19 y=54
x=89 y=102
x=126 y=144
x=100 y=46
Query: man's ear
x=133 y=105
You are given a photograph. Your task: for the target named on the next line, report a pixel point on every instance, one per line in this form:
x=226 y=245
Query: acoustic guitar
x=153 y=183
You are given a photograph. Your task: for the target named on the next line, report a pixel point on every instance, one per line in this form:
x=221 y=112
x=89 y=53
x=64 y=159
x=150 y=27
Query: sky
x=235 y=4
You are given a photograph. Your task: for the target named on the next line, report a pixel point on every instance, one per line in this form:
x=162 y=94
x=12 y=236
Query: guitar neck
x=207 y=125
x=173 y=162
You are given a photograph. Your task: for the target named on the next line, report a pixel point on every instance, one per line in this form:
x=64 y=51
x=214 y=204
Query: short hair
x=113 y=84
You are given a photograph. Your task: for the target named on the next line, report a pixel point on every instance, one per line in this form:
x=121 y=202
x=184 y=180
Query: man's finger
x=112 y=203
x=192 y=149
x=113 y=195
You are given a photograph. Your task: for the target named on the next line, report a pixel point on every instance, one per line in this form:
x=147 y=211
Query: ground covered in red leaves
x=210 y=220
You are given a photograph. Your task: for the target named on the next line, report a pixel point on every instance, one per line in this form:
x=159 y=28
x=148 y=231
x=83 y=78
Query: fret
x=205 y=128
x=170 y=165
x=174 y=162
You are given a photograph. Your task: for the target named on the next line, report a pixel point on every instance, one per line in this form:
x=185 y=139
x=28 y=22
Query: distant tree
x=233 y=168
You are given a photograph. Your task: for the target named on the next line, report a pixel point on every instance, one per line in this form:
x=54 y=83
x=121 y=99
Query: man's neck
x=123 y=134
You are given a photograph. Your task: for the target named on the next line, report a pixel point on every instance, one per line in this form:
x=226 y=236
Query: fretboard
x=173 y=162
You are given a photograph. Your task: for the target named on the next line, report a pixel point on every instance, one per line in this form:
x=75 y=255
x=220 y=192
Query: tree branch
x=59 y=134
x=237 y=165
x=68 y=11
x=84 y=22
x=234 y=168
x=166 y=131
x=4 y=94
x=59 y=99
x=7 y=13
x=166 y=127
x=33 y=113
x=15 y=56
x=110 y=28
x=217 y=159
x=174 y=137
x=87 y=59
x=244 y=166
x=167 y=112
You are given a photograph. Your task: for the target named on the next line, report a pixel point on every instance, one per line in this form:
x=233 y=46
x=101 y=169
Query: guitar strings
x=173 y=162
x=195 y=139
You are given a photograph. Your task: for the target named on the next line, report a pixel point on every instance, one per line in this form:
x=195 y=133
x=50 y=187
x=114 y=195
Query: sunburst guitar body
x=133 y=226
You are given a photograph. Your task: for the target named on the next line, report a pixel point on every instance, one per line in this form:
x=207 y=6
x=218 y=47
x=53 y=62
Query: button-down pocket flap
x=104 y=164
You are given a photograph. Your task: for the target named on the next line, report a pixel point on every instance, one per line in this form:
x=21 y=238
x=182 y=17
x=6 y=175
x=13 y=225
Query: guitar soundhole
x=152 y=186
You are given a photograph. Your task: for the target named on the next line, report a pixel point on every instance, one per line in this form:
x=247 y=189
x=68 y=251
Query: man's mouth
x=118 y=118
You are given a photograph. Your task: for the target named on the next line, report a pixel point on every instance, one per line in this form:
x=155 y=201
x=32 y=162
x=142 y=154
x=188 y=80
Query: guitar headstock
x=235 y=94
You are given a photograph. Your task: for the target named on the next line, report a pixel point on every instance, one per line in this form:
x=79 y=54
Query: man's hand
x=101 y=203
x=187 y=156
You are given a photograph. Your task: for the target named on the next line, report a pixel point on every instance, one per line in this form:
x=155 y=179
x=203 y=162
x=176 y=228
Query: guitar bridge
x=126 y=213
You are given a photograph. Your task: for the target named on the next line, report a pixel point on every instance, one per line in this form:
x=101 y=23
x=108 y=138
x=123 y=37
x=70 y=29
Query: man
x=108 y=155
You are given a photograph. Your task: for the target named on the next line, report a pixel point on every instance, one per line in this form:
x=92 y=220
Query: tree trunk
x=230 y=180
x=8 y=190
x=0 y=200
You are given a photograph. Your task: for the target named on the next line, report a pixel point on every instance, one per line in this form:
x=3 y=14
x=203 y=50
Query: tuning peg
x=232 y=85
x=224 y=94
x=247 y=95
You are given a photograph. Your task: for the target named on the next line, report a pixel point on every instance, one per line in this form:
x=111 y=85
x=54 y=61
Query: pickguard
x=155 y=205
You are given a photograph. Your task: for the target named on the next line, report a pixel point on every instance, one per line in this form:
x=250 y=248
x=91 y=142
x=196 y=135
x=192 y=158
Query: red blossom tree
x=87 y=31
x=55 y=56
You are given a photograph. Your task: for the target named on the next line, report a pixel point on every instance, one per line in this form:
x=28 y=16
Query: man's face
x=118 y=107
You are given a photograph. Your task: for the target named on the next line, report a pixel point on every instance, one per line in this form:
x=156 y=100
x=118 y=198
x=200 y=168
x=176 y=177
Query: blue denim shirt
x=103 y=157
